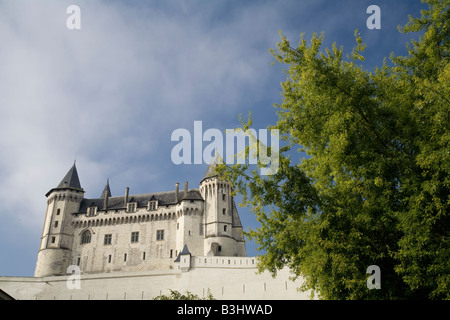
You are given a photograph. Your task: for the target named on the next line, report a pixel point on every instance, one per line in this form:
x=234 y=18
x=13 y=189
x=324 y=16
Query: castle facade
x=139 y=232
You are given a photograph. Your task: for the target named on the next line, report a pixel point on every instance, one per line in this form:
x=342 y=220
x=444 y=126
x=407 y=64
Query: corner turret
x=55 y=251
x=184 y=259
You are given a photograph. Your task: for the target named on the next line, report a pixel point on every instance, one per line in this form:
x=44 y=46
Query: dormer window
x=91 y=211
x=152 y=205
x=131 y=207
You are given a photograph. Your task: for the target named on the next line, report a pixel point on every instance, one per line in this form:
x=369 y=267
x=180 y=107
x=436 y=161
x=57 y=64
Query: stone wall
x=225 y=277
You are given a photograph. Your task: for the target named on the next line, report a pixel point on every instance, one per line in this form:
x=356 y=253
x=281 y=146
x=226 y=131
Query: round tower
x=55 y=251
x=223 y=229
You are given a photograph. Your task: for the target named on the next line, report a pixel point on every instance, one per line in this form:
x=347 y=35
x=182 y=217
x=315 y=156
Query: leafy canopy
x=374 y=188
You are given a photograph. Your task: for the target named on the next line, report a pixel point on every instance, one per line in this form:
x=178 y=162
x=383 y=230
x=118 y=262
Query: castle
x=143 y=245
x=137 y=232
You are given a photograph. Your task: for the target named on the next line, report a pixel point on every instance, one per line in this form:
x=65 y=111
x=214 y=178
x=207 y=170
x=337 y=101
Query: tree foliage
x=176 y=295
x=374 y=188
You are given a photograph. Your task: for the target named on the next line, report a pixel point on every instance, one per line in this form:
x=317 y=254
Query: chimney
x=126 y=196
x=185 y=189
x=176 y=191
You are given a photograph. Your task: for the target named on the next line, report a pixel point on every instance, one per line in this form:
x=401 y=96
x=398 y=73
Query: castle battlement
x=223 y=262
x=121 y=216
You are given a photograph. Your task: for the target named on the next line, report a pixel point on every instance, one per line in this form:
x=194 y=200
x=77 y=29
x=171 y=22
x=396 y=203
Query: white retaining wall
x=225 y=277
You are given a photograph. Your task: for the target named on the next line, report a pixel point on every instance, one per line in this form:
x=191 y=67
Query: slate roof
x=106 y=191
x=70 y=180
x=164 y=198
x=211 y=171
x=185 y=251
x=236 y=221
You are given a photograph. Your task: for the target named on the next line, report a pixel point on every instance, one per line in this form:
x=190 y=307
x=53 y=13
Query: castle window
x=91 y=211
x=135 y=237
x=131 y=207
x=225 y=228
x=159 y=235
x=143 y=255
x=53 y=239
x=56 y=224
x=224 y=211
x=107 y=240
x=152 y=205
x=86 y=237
x=78 y=261
x=58 y=211
x=224 y=196
x=125 y=257
x=109 y=259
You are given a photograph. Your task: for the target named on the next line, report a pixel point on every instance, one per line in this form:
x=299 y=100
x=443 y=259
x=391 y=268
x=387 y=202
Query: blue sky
x=112 y=93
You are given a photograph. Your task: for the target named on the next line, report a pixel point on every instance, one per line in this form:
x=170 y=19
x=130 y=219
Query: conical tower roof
x=106 y=191
x=70 y=180
x=185 y=251
x=211 y=172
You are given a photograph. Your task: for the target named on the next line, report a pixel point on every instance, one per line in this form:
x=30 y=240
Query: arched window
x=86 y=237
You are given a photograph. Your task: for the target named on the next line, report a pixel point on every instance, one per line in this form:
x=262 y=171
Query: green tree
x=176 y=295
x=374 y=188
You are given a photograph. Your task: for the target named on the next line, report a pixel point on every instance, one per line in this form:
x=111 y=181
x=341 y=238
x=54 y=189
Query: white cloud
x=109 y=90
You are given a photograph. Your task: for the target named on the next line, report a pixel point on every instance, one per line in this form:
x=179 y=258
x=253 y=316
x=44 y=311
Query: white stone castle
x=140 y=246
x=137 y=232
